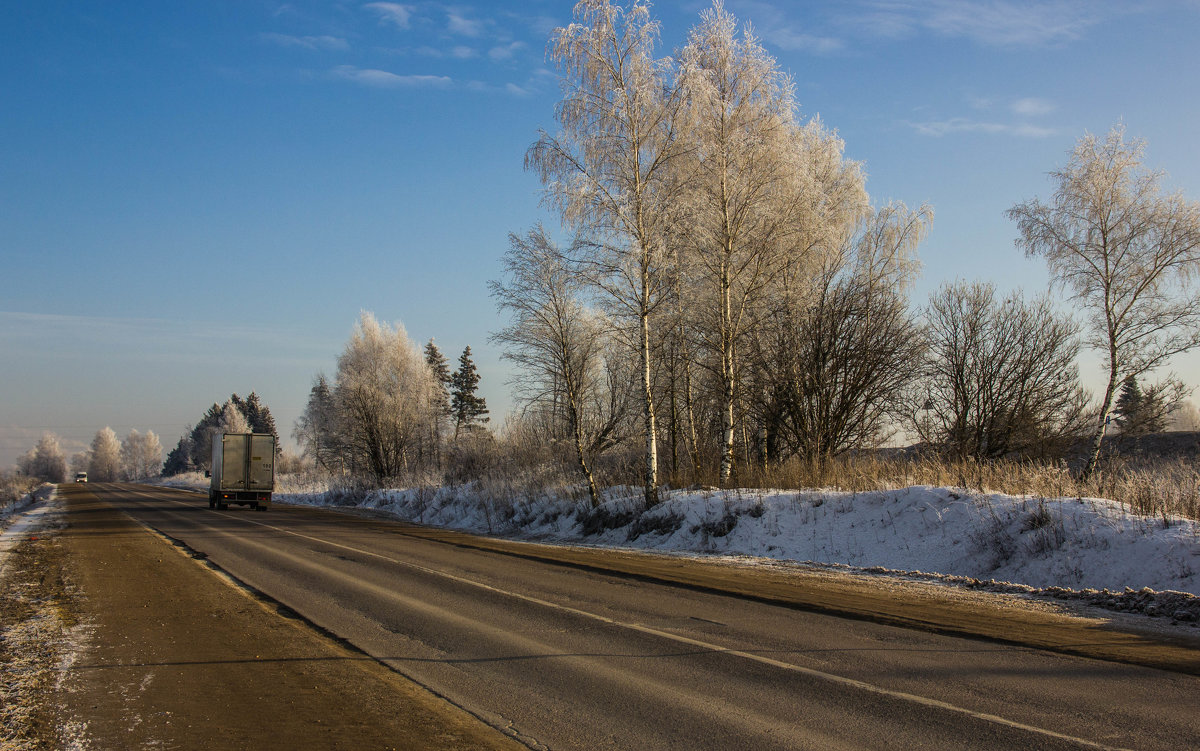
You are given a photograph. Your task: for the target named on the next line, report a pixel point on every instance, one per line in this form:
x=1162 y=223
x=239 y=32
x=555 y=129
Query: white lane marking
x=716 y=648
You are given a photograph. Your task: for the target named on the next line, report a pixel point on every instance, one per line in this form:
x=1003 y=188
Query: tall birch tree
x=1129 y=255
x=553 y=338
x=608 y=171
x=745 y=177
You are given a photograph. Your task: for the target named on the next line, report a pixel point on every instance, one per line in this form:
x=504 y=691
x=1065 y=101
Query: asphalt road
x=573 y=657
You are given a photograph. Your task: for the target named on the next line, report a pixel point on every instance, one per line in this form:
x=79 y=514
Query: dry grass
x=13 y=487
x=1170 y=487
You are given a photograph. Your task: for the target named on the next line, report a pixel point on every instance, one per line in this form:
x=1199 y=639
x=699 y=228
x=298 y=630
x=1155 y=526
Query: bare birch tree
x=608 y=170
x=556 y=341
x=1129 y=254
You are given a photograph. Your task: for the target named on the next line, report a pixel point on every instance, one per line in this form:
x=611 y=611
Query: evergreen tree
x=468 y=409
x=1139 y=412
x=318 y=431
x=260 y=419
x=179 y=459
x=440 y=367
x=200 y=441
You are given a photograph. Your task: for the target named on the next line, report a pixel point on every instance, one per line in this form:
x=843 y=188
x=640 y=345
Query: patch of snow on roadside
x=28 y=516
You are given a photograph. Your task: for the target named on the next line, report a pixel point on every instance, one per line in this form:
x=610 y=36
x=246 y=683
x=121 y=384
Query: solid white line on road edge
x=716 y=648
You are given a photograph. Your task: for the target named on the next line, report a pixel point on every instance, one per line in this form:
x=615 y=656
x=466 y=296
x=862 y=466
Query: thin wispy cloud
x=999 y=23
x=393 y=13
x=388 y=80
x=505 y=51
x=775 y=27
x=1032 y=107
x=306 y=42
x=457 y=23
x=796 y=41
x=954 y=125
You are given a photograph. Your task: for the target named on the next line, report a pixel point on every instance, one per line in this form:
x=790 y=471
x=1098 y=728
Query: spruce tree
x=179 y=460
x=468 y=409
x=440 y=368
x=1129 y=407
x=1140 y=412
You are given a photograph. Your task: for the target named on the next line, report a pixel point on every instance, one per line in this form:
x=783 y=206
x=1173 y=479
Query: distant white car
x=81 y=477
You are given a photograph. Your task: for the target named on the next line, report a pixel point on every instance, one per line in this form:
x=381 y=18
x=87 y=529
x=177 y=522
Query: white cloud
x=772 y=25
x=457 y=23
x=992 y=22
x=394 y=13
x=505 y=51
x=516 y=90
x=385 y=79
x=306 y=42
x=790 y=39
x=940 y=128
x=462 y=52
x=1032 y=107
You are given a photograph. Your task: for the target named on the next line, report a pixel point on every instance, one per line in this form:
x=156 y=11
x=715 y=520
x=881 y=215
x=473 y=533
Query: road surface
x=574 y=656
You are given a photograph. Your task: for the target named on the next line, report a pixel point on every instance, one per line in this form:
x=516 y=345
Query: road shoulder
x=176 y=657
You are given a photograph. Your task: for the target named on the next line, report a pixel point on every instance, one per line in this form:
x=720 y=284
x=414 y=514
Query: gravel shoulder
x=168 y=655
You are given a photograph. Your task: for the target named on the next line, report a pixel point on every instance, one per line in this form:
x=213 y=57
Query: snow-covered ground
x=25 y=517
x=1076 y=548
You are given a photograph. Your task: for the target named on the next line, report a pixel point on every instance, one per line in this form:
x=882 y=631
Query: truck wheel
x=212 y=501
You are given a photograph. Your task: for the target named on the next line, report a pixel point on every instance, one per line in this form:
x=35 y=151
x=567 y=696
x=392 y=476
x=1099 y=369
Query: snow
x=28 y=515
x=1074 y=548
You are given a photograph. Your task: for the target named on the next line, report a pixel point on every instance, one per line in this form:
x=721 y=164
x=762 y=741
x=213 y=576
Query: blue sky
x=198 y=198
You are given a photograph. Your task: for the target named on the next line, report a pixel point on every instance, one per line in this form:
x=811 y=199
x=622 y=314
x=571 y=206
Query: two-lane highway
x=564 y=657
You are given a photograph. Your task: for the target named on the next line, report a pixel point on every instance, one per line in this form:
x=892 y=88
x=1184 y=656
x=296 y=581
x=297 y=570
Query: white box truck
x=243 y=470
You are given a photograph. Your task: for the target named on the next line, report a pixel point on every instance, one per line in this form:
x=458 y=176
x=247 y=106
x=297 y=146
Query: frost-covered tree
x=439 y=367
x=233 y=420
x=1127 y=252
x=556 y=342
x=80 y=461
x=1185 y=416
x=45 y=461
x=468 y=409
x=609 y=169
x=106 y=457
x=258 y=417
x=319 y=431
x=745 y=183
x=141 y=455
x=384 y=394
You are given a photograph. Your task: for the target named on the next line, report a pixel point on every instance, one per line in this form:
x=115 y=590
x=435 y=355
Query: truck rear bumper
x=258 y=499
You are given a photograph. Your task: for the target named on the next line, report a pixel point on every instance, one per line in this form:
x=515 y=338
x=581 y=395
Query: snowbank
x=1065 y=546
